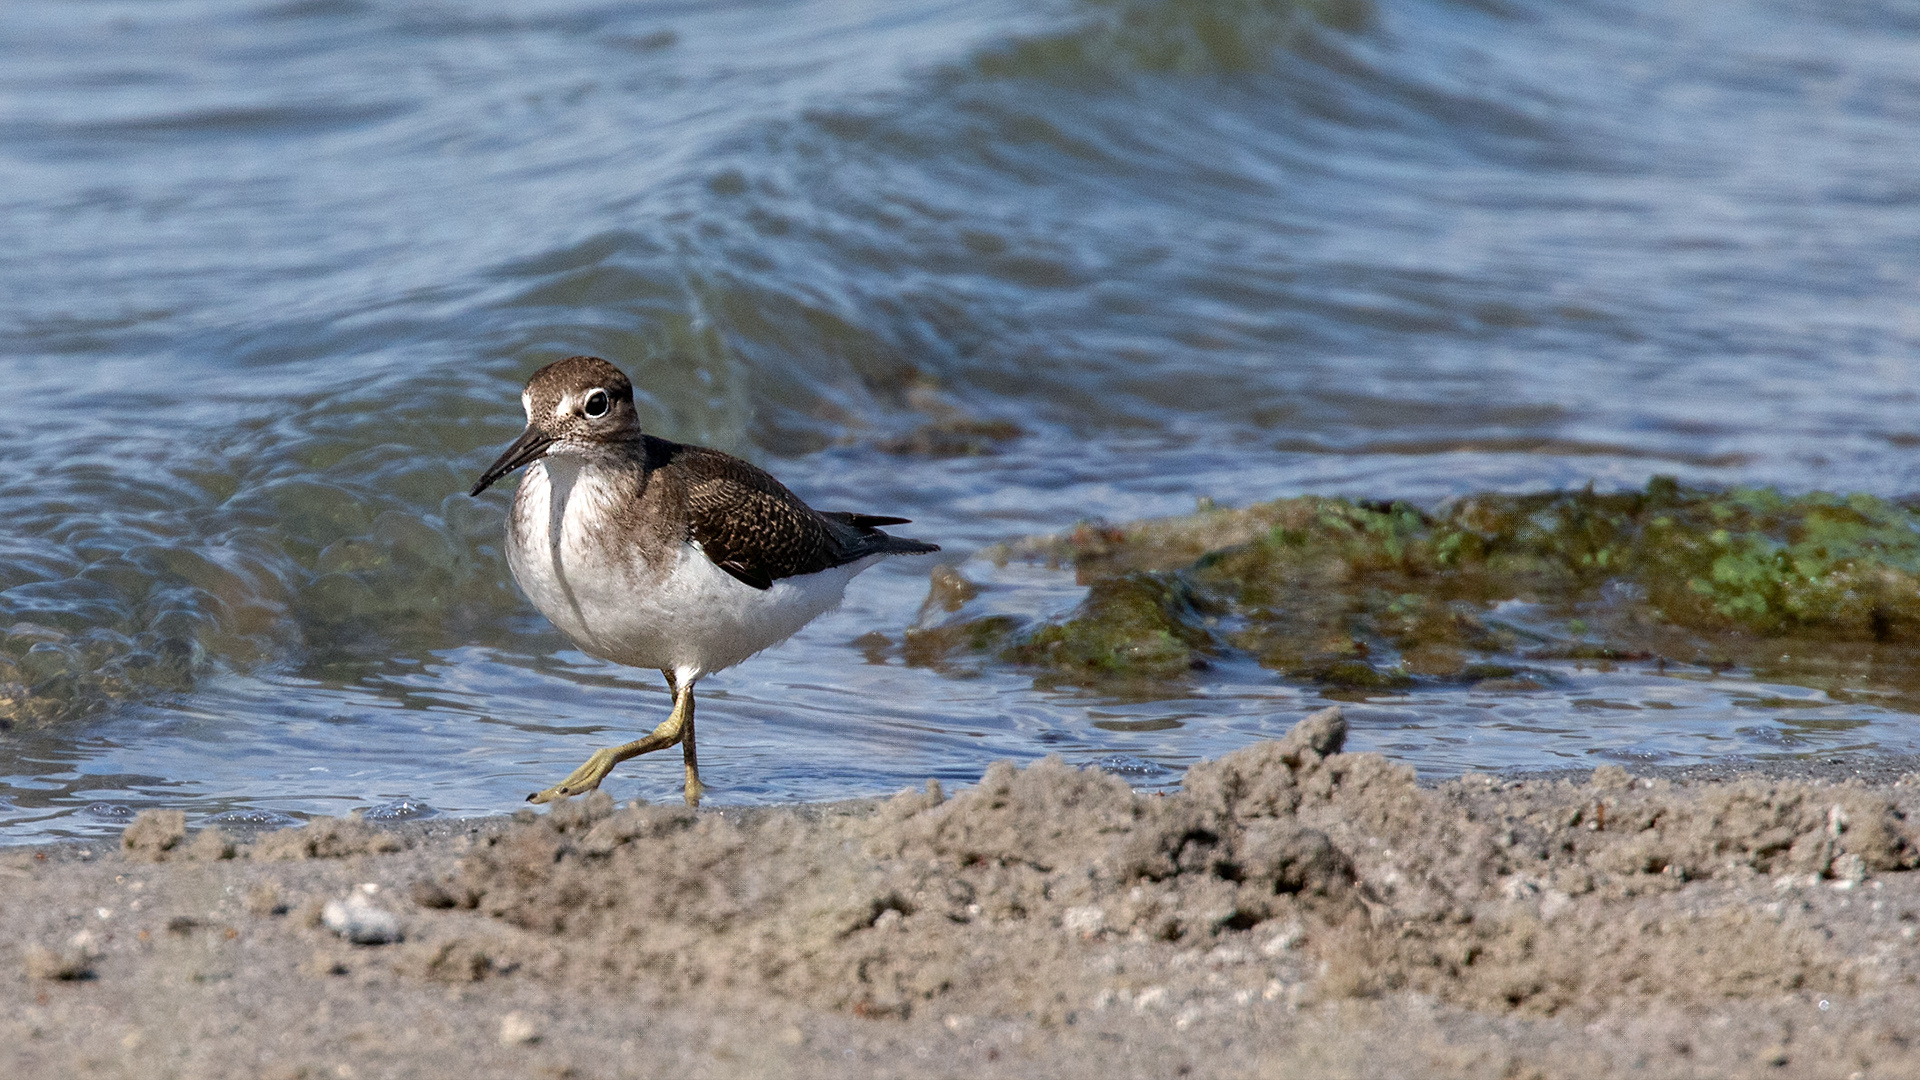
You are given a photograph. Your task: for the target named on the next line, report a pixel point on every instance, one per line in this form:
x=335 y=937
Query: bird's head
x=574 y=406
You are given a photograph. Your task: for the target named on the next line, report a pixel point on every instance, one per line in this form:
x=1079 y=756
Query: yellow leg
x=694 y=787
x=676 y=728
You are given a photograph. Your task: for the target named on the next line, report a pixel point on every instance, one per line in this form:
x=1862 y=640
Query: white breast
x=689 y=617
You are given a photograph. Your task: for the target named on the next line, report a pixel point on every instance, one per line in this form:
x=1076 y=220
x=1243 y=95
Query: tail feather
x=865 y=521
x=874 y=542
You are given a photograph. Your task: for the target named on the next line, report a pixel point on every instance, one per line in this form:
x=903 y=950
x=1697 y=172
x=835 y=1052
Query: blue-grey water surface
x=272 y=273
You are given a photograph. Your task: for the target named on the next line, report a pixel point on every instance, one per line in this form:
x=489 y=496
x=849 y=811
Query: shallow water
x=271 y=275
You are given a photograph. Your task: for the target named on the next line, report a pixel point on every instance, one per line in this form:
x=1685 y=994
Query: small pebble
x=264 y=899
x=518 y=1029
x=431 y=894
x=1849 y=871
x=360 y=920
x=1084 y=921
x=66 y=965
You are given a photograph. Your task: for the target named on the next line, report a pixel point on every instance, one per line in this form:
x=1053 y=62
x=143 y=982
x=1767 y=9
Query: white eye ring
x=596 y=404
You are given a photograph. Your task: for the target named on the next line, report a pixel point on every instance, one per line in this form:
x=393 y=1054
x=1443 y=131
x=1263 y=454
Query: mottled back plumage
x=752 y=527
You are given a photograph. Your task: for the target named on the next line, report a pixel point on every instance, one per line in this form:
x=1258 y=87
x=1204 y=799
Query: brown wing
x=752 y=527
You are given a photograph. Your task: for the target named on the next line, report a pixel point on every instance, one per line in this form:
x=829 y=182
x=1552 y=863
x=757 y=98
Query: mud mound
x=1048 y=856
x=154 y=834
x=161 y=835
x=1544 y=896
x=1535 y=897
x=325 y=838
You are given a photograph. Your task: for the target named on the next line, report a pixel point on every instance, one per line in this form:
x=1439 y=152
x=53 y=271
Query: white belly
x=691 y=617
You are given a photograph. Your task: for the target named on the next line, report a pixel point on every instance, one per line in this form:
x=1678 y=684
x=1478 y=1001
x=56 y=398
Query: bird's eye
x=596 y=405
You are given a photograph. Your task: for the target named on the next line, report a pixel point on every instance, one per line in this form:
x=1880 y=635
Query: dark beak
x=526 y=449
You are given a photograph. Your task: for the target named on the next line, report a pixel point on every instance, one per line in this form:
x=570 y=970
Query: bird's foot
x=584 y=779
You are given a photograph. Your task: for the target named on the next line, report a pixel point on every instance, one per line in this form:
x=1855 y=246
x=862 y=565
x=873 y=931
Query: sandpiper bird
x=655 y=554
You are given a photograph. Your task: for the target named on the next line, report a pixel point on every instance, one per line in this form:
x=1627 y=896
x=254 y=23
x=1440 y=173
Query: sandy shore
x=1294 y=911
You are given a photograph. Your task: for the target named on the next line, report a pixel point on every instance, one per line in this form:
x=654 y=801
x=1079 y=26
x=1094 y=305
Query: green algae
x=961 y=639
x=1365 y=597
x=1141 y=625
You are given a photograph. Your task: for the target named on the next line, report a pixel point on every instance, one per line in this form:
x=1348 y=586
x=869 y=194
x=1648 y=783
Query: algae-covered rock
x=1366 y=597
x=1841 y=568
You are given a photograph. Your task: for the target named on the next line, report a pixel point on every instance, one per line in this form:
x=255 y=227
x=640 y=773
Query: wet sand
x=1293 y=911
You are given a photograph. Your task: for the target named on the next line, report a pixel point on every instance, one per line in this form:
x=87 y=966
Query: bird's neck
x=611 y=455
